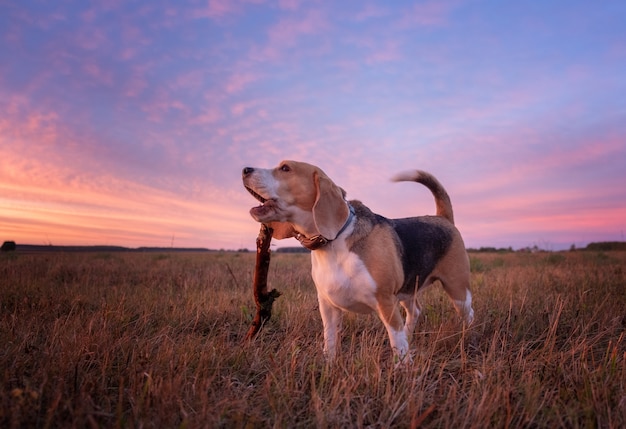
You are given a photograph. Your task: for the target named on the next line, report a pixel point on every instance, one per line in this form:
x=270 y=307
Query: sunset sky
x=128 y=122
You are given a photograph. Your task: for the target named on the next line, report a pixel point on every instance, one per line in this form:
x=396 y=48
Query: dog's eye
x=285 y=168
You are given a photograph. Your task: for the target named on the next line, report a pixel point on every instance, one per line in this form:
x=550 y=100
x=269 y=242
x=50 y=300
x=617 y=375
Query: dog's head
x=296 y=197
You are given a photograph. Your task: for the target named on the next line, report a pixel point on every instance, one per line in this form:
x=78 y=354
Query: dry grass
x=146 y=340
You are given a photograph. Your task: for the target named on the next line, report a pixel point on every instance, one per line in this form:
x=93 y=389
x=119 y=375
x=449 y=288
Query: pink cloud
x=98 y=74
x=431 y=13
x=91 y=38
x=374 y=50
x=134 y=86
x=549 y=163
x=191 y=80
x=287 y=30
x=128 y=53
x=211 y=115
x=122 y=213
x=371 y=11
x=133 y=38
x=162 y=104
x=89 y=15
x=238 y=81
x=287 y=33
x=45 y=200
x=617 y=50
x=382 y=54
x=31 y=132
x=241 y=107
x=288 y=4
x=215 y=9
x=542 y=226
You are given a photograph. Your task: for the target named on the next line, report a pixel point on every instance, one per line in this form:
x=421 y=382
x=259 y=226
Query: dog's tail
x=442 y=200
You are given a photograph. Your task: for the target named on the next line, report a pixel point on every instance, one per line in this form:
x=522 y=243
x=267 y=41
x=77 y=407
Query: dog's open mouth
x=257 y=196
x=267 y=206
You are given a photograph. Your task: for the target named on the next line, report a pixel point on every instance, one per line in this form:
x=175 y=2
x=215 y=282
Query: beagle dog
x=362 y=261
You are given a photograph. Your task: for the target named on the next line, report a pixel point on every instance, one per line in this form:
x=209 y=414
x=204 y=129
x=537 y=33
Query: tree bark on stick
x=262 y=297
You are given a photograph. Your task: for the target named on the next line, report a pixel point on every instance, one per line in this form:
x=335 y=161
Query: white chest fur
x=342 y=279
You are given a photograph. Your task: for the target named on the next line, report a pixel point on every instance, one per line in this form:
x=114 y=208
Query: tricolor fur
x=362 y=261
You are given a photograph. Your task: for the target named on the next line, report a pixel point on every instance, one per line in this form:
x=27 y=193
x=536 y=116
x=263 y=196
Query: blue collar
x=350 y=217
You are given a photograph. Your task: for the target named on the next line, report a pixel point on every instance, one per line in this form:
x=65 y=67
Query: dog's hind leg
x=464 y=308
x=454 y=273
x=461 y=298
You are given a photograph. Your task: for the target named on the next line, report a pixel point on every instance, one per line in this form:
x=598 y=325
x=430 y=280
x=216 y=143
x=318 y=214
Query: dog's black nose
x=247 y=170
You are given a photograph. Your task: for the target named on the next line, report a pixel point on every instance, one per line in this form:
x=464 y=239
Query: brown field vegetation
x=155 y=340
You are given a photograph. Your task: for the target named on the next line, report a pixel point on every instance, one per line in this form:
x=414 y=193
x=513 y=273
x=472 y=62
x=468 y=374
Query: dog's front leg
x=332 y=321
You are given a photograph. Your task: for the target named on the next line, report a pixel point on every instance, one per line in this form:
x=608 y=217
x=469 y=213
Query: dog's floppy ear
x=330 y=209
x=282 y=230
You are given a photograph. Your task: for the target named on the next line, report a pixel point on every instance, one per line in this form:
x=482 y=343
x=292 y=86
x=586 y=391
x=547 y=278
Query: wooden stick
x=262 y=297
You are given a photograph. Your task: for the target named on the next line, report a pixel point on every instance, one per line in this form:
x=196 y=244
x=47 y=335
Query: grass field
x=155 y=340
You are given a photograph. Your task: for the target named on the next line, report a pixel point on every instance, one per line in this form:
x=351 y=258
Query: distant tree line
x=602 y=246
x=11 y=246
x=491 y=250
x=8 y=246
x=605 y=246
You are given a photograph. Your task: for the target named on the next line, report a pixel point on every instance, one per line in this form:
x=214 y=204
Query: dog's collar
x=319 y=241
